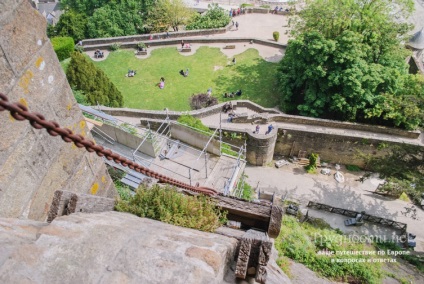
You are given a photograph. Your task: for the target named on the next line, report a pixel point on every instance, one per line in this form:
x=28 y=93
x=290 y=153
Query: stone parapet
x=260 y=148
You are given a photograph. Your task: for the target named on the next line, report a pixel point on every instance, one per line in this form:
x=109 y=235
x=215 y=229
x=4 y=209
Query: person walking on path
x=234 y=61
x=237 y=25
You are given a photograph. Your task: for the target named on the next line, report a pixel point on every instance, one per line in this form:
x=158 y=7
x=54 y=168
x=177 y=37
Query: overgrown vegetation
x=276 y=36
x=412 y=259
x=63 y=46
x=312 y=167
x=215 y=17
x=167 y=205
x=348 y=63
x=202 y=100
x=353 y=168
x=84 y=76
x=194 y=122
x=248 y=192
x=303 y=243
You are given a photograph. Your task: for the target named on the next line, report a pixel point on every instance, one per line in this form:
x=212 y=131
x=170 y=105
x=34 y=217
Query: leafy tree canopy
x=70 y=24
x=347 y=63
x=215 y=17
x=83 y=75
x=167 y=13
x=116 y=19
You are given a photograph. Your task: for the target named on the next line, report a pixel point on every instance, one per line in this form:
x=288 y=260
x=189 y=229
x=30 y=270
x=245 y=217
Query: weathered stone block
x=22 y=35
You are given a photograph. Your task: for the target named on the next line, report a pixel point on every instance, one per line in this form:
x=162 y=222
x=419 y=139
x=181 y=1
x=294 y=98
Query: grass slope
x=252 y=74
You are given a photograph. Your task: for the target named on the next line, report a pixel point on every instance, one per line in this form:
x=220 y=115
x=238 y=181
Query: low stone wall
x=146 y=37
x=128 y=139
x=194 y=138
x=165 y=42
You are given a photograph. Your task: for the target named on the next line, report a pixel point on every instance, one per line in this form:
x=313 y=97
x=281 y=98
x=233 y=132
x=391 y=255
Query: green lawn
x=252 y=74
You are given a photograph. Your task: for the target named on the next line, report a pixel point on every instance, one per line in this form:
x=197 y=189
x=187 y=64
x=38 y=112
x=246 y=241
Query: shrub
x=312 y=163
x=114 y=46
x=202 y=100
x=215 y=17
x=244 y=5
x=167 y=205
x=194 y=122
x=79 y=48
x=83 y=75
x=63 y=46
x=141 y=45
x=353 y=168
x=276 y=36
x=80 y=97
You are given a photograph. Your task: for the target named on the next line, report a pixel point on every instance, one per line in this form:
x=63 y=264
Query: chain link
x=20 y=112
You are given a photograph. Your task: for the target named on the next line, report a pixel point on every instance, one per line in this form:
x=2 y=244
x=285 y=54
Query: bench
x=186 y=49
x=141 y=52
x=232 y=46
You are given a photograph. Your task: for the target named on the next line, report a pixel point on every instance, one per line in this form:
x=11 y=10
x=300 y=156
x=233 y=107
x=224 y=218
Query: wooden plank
x=59 y=205
x=243 y=258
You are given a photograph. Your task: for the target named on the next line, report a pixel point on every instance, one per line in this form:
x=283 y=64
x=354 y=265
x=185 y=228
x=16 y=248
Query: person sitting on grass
x=131 y=73
x=186 y=73
x=182 y=72
x=161 y=84
x=239 y=92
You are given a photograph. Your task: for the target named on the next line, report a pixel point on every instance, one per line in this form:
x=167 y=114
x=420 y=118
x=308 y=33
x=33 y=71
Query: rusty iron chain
x=20 y=112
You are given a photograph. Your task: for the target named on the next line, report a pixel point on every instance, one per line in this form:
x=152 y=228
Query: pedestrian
x=233 y=22
x=234 y=61
x=270 y=128
x=237 y=25
x=182 y=43
x=167 y=34
x=256 y=129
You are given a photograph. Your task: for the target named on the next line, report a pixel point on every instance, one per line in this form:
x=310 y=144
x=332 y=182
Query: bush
x=63 y=46
x=167 y=205
x=83 y=75
x=114 y=46
x=141 y=45
x=353 y=168
x=80 y=97
x=312 y=163
x=194 y=122
x=202 y=100
x=244 y=5
x=276 y=36
x=215 y=17
x=79 y=48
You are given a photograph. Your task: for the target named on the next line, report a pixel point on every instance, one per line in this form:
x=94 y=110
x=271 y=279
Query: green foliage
x=226 y=149
x=141 y=45
x=255 y=75
x=115 y=174
x=265 y=6
x=245 y=5
x=116 y=19
x=124 y=191
x=70 y=24
x=348 y=64
x=248 y=192
x=86 y=7
x=313 y=159
x=276 y=36
x=412 y=259
x=80 y=97
x=382 y=146
x=63 y=46
x=194 y=122
x=84 y=76
x=167 y=205
x=115 y=46
x=353 y=168
x=168 y=13
x=302 y=242
x=79 y=48
x=215 y=17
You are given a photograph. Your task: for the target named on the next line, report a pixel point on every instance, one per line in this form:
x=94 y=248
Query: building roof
x=417 y=40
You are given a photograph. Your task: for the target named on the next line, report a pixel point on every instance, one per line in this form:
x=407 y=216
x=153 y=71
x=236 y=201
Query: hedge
x=63 y=46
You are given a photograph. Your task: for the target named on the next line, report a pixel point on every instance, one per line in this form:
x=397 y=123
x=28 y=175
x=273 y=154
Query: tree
x=71 y=24
x=86 y=7
x=347 y=63
x=168 y=13
x=116 y=19
x=84 y=76
x=215 y=17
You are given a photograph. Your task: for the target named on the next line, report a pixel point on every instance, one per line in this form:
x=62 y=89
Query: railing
x=350 y=213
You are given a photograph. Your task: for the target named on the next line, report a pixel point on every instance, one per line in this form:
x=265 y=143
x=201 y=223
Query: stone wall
x=34 y=164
